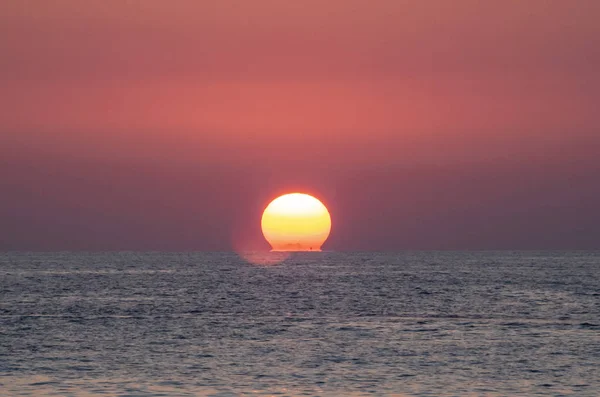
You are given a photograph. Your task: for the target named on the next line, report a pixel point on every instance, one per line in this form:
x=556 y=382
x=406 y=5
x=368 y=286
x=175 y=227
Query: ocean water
x=330 y=324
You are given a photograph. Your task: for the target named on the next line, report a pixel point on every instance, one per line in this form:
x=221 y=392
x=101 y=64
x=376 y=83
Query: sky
x=170 y=125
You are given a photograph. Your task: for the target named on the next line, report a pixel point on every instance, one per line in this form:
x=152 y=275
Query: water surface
x=331 y=324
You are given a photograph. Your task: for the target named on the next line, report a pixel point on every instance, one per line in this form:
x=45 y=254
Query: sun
x=296 y=222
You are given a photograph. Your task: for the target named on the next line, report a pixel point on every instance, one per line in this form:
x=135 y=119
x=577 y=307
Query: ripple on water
x=330 y=324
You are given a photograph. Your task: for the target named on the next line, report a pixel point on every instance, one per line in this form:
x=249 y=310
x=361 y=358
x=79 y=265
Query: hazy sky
x=169 y=125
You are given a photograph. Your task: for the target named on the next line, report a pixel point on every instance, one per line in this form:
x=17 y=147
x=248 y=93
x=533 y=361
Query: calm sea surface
x=331 y=324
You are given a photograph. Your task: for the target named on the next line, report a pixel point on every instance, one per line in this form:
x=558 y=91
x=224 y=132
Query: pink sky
x=426 y=124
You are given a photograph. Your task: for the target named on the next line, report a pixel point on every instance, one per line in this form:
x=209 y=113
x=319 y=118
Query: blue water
x=331 y=324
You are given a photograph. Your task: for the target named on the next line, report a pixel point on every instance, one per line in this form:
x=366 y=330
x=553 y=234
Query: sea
x=300 y=324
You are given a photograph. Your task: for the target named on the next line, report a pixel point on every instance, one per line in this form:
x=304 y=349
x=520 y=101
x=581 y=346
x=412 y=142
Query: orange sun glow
x=296 y=222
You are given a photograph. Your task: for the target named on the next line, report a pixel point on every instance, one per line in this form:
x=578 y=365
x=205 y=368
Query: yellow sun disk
x=296 y=222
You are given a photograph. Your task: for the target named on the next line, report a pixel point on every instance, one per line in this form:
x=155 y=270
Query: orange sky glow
x=264 y=95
